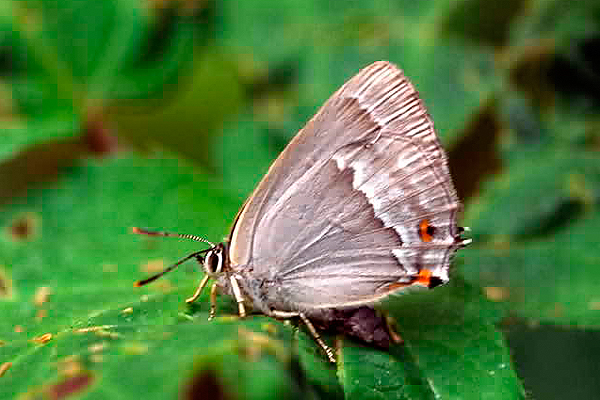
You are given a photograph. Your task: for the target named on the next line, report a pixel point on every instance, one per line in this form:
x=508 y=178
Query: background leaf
x=219 y=88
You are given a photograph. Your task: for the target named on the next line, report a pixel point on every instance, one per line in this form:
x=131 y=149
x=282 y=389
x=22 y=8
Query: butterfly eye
x=213 y=263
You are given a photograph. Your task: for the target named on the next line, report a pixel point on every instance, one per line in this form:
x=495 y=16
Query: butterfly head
x=213 y=262
x=211 y=259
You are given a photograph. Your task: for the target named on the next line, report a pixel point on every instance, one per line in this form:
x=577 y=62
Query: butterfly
x=359 y=206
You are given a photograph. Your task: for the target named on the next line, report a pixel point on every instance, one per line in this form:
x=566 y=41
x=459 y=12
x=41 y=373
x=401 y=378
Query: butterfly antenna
x=142 y=231
x=168 y=269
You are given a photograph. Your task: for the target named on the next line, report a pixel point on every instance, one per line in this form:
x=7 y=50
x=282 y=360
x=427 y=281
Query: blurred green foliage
x=167 y=113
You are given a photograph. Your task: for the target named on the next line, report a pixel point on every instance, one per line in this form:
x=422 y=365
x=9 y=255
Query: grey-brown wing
x=358 y=204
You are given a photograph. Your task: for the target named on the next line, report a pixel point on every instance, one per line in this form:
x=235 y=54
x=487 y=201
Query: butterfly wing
x=358 y=205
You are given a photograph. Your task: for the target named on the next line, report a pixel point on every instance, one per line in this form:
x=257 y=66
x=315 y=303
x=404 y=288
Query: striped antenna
x=141 y=231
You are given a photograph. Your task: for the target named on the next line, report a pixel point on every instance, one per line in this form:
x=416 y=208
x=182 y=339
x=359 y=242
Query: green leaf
x=452 y=343
x=535 y=241
x=69 y=262
x=58 y=79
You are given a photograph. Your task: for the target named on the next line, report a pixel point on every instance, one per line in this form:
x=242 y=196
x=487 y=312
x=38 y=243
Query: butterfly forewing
x=358 y=203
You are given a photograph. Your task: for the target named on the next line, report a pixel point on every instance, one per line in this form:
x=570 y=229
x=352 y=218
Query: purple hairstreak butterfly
x=360 y=205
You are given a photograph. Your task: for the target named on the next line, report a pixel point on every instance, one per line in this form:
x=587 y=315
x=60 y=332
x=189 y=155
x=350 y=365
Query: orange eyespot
x=426 y=231
x=424 y=277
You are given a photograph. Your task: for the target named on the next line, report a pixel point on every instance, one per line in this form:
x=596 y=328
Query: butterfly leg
x=238 y=295
x=198 y=290
x=285 y=314
x=213 y=301
x=390 y=325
